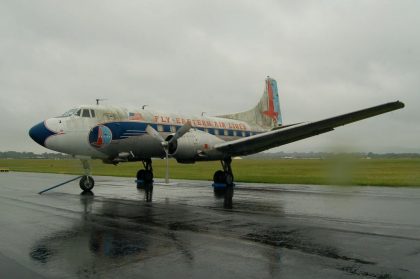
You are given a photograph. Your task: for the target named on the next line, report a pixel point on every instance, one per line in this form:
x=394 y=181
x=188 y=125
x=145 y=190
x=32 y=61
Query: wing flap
x=264 y=141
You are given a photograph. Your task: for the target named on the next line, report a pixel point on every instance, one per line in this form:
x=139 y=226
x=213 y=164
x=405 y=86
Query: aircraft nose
x=39 y=133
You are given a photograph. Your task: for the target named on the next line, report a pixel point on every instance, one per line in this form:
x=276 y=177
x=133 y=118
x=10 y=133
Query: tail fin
x=266 y=113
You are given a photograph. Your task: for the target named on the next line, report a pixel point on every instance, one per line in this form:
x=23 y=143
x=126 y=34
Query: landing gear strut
x=223 y=182
x=86 y=182
x=145 y=179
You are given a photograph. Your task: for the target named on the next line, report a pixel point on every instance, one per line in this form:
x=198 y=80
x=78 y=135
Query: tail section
x=269 y=103
x=266 y=113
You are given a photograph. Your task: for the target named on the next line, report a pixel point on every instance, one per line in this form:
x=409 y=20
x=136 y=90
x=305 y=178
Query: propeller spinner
x=166 y=144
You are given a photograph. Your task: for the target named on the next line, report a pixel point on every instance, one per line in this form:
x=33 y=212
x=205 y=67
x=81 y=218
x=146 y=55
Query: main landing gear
x=145 y=179
x=86 y=183
x=223 y=183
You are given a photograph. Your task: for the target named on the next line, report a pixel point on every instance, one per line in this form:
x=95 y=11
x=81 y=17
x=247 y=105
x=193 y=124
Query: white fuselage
x=106 y=132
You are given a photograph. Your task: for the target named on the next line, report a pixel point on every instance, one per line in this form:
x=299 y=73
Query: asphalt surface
x=273 y=231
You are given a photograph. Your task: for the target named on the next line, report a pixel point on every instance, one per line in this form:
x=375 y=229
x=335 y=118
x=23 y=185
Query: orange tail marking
x=271 y=112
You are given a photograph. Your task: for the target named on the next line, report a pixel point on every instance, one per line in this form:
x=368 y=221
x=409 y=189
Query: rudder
x=269 y=104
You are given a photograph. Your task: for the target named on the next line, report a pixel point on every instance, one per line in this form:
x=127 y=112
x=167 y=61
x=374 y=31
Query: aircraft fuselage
x=107 y=133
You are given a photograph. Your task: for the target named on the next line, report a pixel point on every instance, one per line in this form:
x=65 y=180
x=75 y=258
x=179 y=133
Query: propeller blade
x=155 y=134
x=182 y=131
x=165 y=144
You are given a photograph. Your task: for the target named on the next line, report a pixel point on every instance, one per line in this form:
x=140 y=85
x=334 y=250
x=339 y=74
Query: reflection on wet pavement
x=272 y=231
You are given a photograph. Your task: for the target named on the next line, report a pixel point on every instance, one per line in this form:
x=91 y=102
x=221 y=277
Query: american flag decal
x=135 y=116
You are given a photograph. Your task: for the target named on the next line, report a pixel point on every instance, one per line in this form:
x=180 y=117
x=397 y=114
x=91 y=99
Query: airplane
x=116 y=135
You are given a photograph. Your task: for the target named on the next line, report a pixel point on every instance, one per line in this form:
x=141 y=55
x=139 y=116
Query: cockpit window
x=79 y=112
x=69 y=113
x=86 y=113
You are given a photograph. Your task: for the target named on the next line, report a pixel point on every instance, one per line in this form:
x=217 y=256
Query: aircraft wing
x=274 y=138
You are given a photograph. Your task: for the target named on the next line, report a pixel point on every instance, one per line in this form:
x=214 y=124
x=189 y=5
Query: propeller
x=167 y=143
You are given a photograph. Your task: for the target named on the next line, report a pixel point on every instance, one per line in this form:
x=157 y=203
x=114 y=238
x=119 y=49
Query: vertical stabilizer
x=269 y=104
x=266 y=113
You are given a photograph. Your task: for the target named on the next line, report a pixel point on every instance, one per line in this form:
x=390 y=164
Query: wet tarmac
x=273 y=231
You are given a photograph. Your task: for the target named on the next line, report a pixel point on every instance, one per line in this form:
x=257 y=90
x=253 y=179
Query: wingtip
x=400 y=104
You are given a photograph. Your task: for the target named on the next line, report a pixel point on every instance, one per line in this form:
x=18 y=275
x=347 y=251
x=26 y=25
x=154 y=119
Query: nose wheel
x=86 y=183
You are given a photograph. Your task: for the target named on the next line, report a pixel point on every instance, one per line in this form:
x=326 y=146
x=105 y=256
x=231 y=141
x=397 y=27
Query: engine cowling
x=194 y=146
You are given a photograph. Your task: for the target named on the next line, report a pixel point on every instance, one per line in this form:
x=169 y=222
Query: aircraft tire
x=140 y=174
x=86 y=183
x=219 y=176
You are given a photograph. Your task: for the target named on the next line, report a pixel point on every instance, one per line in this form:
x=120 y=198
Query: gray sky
x=329 y=57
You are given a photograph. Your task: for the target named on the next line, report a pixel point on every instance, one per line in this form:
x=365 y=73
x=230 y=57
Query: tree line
x=31 y=155
x=263 y=155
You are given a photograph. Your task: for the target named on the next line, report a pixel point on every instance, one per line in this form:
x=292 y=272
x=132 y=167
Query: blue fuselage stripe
x=123 y=130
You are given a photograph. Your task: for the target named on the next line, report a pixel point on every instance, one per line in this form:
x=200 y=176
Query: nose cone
x=39 y=133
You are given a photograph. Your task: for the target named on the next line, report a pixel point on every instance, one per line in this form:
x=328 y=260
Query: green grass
x=339 y=171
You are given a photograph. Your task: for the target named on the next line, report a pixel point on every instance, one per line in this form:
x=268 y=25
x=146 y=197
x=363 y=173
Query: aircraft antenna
x=143 y=106
x=99 y=100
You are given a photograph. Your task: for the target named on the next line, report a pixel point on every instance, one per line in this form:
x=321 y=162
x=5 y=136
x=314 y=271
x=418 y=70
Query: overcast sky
x=328 y=57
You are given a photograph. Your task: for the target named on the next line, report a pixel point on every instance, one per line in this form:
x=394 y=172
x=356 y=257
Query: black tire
x=140 y=174
x=86 y=183
x=148 y=176
x=219 y=176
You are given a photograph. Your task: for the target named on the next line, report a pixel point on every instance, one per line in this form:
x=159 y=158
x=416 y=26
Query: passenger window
x=173 y=129
x=226 y=132
x=243 y=134
x=235 y=134
x=216 y=132
x=92 y=113
x=160 y=128
x=85 y=113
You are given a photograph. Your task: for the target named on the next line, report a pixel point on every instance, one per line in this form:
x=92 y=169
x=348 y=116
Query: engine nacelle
x=194 y=146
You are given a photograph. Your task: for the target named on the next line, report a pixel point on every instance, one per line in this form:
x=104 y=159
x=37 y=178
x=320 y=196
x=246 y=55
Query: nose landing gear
x=86 y=183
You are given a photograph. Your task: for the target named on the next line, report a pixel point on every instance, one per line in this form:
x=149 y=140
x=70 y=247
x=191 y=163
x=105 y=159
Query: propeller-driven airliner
x=116 y=135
